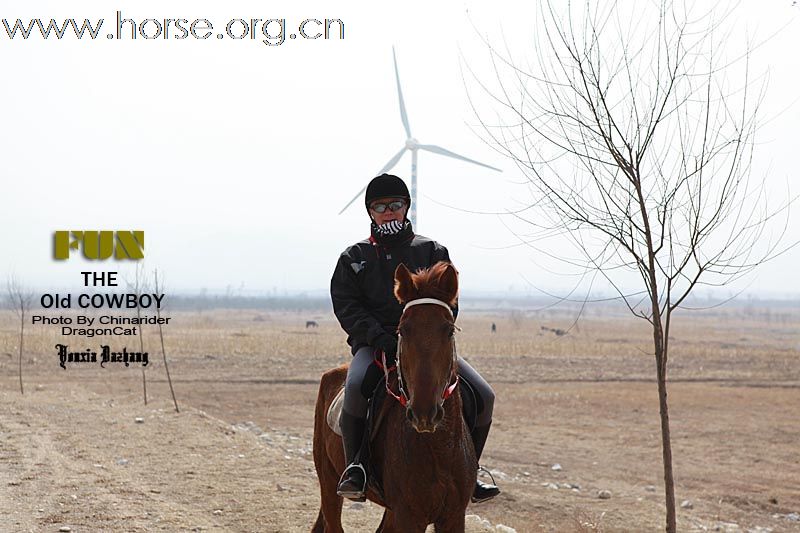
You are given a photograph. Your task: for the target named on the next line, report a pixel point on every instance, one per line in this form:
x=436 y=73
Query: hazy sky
x=235 y=157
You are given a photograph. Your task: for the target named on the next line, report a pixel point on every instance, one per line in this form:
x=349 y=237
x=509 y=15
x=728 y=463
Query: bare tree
x=139 y=287
x=638 y=151
x=517 y=318
x=19 y=298
x=158 y=289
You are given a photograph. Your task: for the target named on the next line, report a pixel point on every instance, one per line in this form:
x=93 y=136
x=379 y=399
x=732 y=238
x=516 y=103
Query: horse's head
x=426 y=353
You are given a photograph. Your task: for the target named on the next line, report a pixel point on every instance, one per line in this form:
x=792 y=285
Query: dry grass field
x=237 y=456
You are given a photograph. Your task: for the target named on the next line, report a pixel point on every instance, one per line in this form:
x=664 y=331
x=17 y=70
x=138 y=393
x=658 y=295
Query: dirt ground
x=238 y=455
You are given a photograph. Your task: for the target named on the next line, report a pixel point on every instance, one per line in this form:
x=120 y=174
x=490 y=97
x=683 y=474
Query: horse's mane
x=427 y=282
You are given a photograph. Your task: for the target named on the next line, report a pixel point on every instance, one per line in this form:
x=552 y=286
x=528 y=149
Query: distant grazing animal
x=311 y=324
x=494 y=327
x=421 y=451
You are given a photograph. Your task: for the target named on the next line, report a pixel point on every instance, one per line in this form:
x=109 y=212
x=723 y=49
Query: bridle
x=448 y=391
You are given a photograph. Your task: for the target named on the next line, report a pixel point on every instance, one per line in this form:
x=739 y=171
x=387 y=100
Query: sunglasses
x=391 y=206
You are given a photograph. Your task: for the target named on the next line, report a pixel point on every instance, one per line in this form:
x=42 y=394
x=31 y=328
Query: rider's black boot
x=352 y=484
x=483 y=491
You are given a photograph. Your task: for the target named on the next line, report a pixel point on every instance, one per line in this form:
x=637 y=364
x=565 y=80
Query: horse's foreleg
x=451 y=524
x=329 y=519
x=330 y=513
x=383 y=521
x=319 y=525
x=401 y=522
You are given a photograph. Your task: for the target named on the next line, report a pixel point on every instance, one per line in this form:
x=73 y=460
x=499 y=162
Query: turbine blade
x=388 y=166
x=354 y=199
x=441 y=151
x=393 y=161
x=403 y=115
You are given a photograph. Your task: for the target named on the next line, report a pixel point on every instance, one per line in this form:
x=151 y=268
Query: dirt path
x=73 y=458
x=72 y=454
x=76 y=458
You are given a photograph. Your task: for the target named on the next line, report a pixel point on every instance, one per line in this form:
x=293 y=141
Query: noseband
x=448 y=391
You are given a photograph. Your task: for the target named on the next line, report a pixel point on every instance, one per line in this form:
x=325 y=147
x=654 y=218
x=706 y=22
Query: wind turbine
x=412 y=145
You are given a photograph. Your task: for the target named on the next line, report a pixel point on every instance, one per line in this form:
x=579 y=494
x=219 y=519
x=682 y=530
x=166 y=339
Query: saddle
x=469 y=404
x=468 y=401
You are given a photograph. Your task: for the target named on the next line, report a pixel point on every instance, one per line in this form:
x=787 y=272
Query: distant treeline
x=267 y=303
x=469 y=304
x=526 y=305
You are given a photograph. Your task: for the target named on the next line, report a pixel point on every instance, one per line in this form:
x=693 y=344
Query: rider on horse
x=364 y=303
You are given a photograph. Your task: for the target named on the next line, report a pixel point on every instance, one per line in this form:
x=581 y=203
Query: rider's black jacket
x=362 y=286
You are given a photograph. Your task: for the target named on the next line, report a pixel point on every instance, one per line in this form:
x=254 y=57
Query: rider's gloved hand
x=387 y=343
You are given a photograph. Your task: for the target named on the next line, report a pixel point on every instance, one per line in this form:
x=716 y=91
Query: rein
x=403 y=397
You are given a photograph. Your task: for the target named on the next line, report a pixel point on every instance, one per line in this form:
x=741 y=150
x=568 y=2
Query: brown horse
x=422 y=451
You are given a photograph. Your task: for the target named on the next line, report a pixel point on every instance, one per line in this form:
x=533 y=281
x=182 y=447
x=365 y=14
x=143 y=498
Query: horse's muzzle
x=428 y=422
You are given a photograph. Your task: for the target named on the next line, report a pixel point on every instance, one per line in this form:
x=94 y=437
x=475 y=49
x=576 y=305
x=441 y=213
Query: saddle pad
x=468 y=400
x=334 y=411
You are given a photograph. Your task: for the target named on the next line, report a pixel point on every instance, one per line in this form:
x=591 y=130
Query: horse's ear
x=404 y=288
x=448 y=282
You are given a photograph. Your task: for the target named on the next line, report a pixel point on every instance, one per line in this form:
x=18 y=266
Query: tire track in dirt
x=71 y=458
x=67 y=468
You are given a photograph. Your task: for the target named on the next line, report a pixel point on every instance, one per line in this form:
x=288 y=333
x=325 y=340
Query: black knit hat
x=386 y=186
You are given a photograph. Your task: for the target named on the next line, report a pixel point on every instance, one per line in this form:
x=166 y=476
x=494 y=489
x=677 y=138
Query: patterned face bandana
x=392 y=233
x=392 y=227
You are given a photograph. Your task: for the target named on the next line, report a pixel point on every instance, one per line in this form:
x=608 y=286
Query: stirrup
x=354 y=495
x=494 y=493
x=480 y=468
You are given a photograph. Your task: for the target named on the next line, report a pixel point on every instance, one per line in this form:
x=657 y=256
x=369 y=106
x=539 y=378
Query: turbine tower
x=413 y=146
